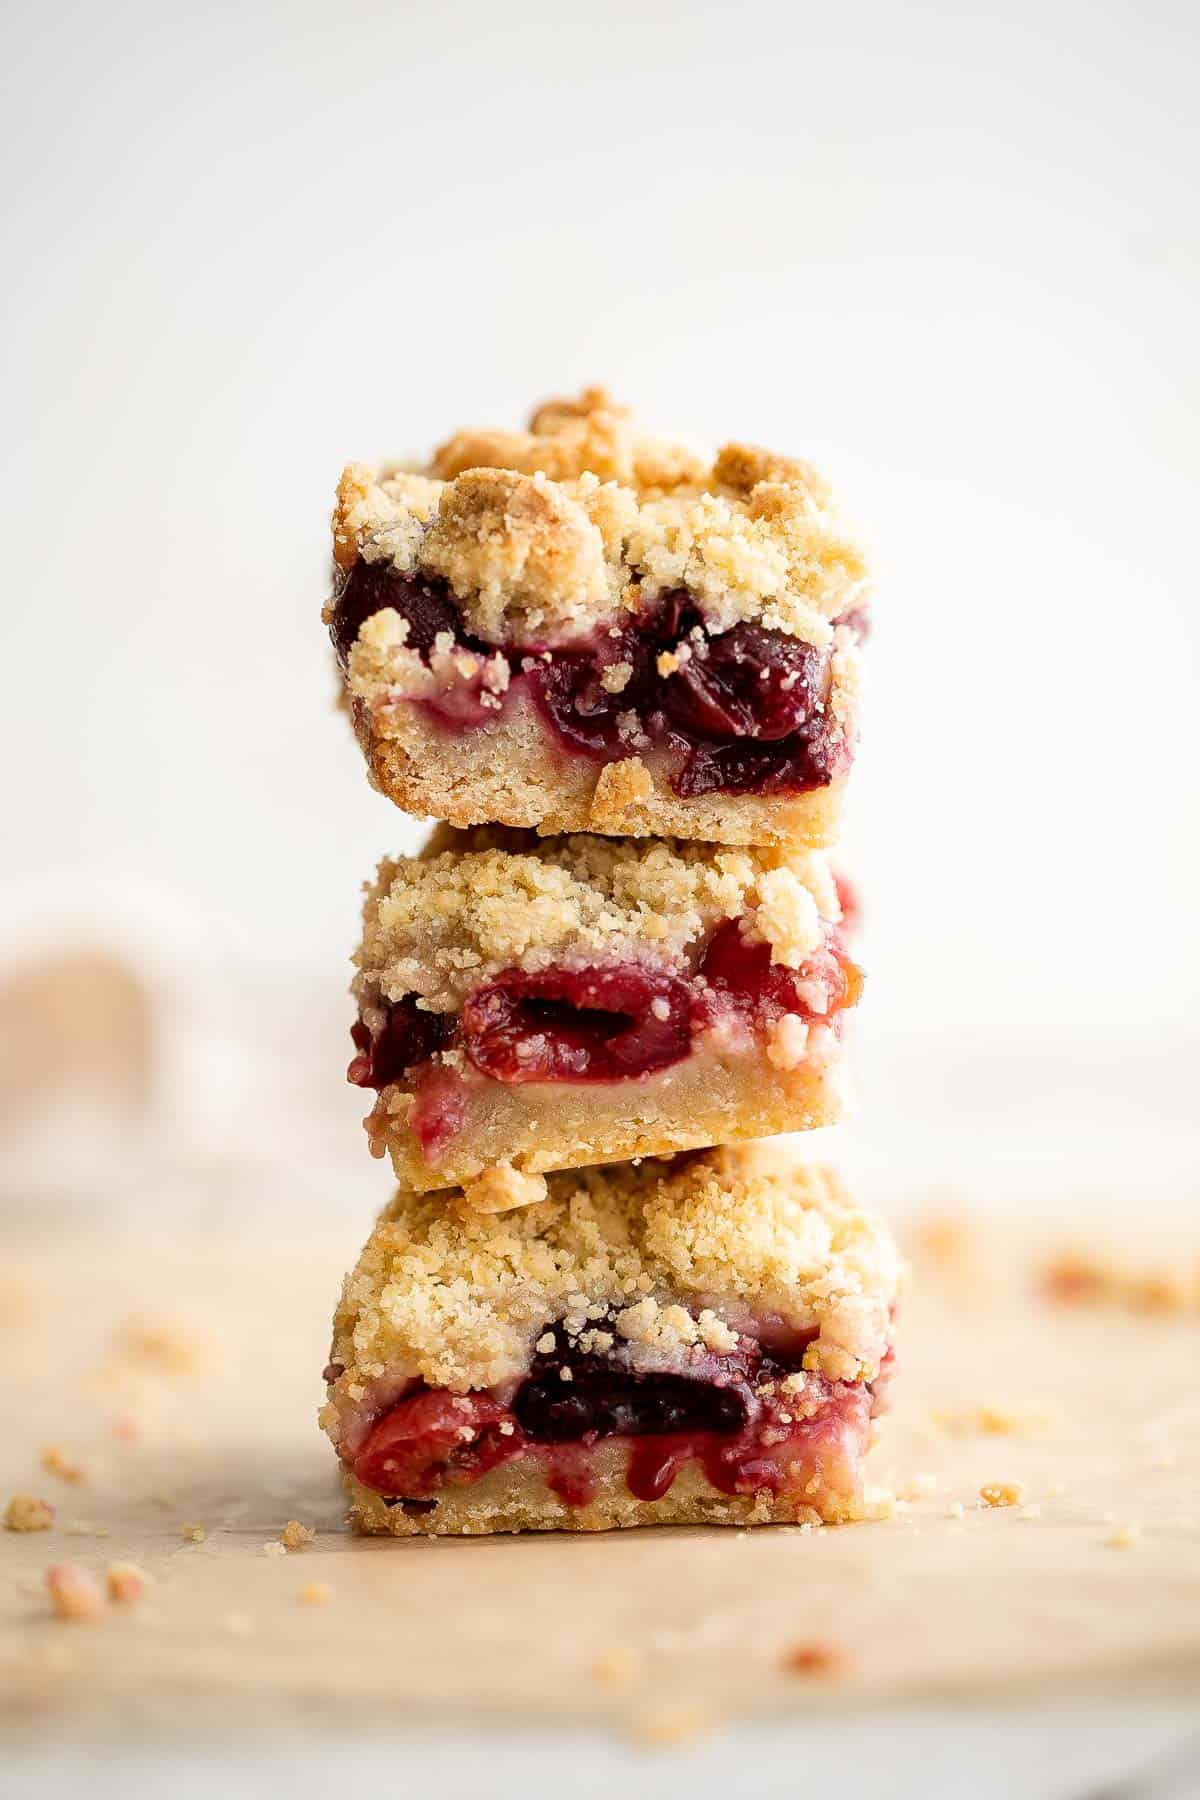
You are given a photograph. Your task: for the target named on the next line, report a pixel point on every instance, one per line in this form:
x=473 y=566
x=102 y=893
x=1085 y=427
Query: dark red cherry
x=590 y=1024
x=409 y=1035
x=424 y=600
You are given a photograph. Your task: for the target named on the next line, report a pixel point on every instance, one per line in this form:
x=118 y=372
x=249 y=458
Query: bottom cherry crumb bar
x=700 y=1341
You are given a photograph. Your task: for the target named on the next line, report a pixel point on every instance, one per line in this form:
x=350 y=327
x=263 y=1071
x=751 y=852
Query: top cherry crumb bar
x=581 y=628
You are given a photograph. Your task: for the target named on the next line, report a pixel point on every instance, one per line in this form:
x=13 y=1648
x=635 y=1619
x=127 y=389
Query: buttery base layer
x=509 y=772
x=541 y=1126
x=515 y=1497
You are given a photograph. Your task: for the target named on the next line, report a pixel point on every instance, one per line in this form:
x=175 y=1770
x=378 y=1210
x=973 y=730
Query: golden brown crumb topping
x=27 y=1512
x=549 y=530
x=658 y=1259
x=475 y=902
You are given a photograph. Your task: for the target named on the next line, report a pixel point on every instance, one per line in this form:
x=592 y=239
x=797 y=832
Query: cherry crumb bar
x=699 y=1341
x=529 y=1003
x=579 y=628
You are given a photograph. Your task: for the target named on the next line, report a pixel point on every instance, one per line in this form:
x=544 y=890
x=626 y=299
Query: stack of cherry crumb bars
x=625 y=679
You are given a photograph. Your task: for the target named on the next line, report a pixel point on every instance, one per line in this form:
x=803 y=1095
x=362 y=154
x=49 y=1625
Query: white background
x=950 y=252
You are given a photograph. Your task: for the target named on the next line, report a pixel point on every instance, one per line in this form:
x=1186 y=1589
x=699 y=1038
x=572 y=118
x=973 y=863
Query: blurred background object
x=949 y=254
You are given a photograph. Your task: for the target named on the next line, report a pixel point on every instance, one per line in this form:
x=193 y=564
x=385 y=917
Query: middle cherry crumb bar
x=528 y=1004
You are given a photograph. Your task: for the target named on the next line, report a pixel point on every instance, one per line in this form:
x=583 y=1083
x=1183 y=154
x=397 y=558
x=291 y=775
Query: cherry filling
x=591 y=1024
x=732 y=1416
x=424 y=600
x=744 y=712
x=407 y=1036
x=615 y=1023
x=741 y=975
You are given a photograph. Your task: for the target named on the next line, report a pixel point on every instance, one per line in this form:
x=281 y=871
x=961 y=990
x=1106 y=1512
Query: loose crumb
x=74 y=1594
x=125 y=1582
x=1002 y=1493
x=295 y=1536
x=615 y=1667
x=956 y=1509
x=1123 y=1537
x=918 y=1487
x=669 y=1725
x=816 y=1658
x=166 y=1346
x=25 y=1512
x=1032 y=1511
x=988 y=1421
x=274 y=1548
x=56 y=1461
x=192 y=1534
x=85 y=1528
x=315 y=1593
x=1084 y=1278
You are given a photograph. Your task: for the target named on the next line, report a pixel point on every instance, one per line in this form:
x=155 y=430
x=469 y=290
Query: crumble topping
x=57 y=1461
x=476 y=902
x=315 y=1593
x=1002 y=1493
x=125 y=1583
x=75 y=1595
x=502 y=1189
x=555 y=528
x=678 y=1253
x=26 y=1512
x=296 y=1536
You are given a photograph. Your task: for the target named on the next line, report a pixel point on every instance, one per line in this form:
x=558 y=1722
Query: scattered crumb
x=238 y=1624
x=667 y=1725
x=1123 y=1537
x=166 y=1501
x=25 y=1512
x=1089 y=1278
x=125 y=1582
x=274 y=1548
x=918 y=1487
x=1032 y=1511
x=879 y=1503
x=1055 y=1490
x=165 y=1345
x=315 y=1593
x=56 y=1461
x=956 y=1509
x=85 y=1528
x=192 y=1534
x=615 y=1667
x=295 y=1536
x=74 y=1594
x=988 y=1421
x=817 y=1659
x=1002 y=1493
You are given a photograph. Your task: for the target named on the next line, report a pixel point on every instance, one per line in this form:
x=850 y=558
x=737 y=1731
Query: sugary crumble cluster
x=476 y=902
x=542 y=533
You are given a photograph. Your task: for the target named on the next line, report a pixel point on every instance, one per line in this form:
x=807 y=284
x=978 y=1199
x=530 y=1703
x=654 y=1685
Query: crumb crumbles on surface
x=26 y=1512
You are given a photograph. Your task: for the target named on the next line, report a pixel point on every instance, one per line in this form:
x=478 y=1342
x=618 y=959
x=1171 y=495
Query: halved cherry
x=432 y=1438
x=587 y=1024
